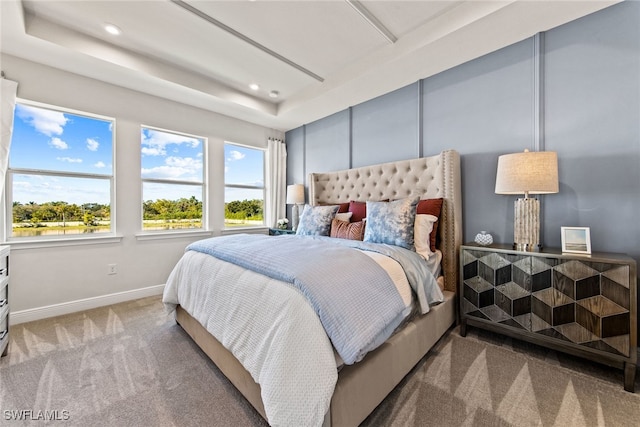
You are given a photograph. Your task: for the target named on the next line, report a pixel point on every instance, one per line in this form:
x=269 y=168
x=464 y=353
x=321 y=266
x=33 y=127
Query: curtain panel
x=276 y=181
x=8 y=91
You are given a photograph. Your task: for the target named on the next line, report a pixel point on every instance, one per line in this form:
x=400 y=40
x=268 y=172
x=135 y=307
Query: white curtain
x=276 y=181
x=7 y=105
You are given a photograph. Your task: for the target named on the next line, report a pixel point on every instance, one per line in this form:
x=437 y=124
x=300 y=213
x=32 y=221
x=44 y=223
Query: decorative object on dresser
x=4 y=300
x=483 y=238
x=576 y=240
x=585 y=306
x=527 y=173
x=295 y=197
x=282 y=223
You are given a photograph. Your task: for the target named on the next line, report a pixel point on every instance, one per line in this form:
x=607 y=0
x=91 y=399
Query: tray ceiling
x=319 y=56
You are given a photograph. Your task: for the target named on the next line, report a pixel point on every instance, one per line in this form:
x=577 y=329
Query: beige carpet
x=489 y=380
x=130 y=365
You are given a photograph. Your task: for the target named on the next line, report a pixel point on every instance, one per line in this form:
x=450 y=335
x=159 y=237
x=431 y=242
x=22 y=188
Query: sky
x=174 y=157
x=243 y=166
x=54 y=141
x=50 y=140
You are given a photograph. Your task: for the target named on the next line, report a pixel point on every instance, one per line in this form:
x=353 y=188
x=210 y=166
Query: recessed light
x=254 y=86
x=274 y=94
x=112 y=29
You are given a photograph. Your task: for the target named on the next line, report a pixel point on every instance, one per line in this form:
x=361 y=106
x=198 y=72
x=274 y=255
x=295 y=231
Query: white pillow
x=345 y=216
x=422 y=231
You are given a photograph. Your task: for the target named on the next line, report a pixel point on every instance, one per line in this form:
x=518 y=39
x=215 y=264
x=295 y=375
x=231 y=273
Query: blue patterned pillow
x=391 y=222
x=316 y=220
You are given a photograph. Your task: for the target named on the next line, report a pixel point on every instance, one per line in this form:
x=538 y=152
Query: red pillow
x=359 y=211
x=344 y=208
x=347 y=230
x=431 y=207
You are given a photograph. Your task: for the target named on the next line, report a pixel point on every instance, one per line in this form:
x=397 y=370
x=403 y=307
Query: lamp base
x=295 y=213
x=525 y=247
x=526 y=227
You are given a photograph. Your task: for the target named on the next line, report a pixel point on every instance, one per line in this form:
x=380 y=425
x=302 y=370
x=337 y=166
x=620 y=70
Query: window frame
x=203 y=184
x=8 y=200
x=248 y=187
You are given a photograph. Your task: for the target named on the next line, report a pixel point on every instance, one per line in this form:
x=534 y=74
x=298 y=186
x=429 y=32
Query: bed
x=359 y=386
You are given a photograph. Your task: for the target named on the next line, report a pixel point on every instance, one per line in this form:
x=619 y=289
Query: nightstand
x=584 y=305
x=279 y=232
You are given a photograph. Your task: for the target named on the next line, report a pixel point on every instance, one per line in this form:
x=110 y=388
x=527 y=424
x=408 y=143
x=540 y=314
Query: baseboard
x=38 y=313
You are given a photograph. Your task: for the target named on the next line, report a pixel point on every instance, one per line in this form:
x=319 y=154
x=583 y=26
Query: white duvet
x=271 y=329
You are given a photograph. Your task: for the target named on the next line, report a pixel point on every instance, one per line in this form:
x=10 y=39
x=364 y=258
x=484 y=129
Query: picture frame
x=576 y=240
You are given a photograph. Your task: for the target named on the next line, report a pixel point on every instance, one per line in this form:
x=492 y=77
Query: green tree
x=89 y=219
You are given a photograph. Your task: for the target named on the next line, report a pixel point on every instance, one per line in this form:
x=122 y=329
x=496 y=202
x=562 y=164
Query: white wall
x=52 y=280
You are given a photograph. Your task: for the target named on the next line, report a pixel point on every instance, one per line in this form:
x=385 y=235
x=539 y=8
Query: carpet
x=130 y=364
x=486 y=379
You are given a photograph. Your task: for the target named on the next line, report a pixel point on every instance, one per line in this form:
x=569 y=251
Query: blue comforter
x=354 y=298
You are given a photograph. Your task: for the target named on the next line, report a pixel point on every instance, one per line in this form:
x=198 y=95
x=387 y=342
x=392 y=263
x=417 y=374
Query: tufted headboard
x=428 y=177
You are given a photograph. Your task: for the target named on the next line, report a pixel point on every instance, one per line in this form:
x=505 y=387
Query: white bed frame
x=362 y=386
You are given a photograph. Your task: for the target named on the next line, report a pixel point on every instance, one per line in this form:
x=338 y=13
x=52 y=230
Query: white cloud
x=58 y=143
x=69 y=159
x=184 y=162
x=184 y=168
x=155 y=142
x=235 y=155
x=100 y=165
x=146 y=151
x=92 y=144
x=44 y=121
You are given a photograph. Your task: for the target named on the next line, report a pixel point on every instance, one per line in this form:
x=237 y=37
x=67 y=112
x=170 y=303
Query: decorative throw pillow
x=422 y=234
x=347 y=230
x=342 y=207
x=359 y=211
x=316 y=220
x=391 y=222
x=431 y=207
x=343 y=216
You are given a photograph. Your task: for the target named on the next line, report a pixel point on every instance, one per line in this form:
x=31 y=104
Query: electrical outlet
x=112 y=268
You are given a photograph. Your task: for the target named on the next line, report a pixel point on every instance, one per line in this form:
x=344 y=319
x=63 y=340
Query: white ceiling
x=320 y=56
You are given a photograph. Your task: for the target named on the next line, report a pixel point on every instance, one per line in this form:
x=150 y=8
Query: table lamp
x=527 y=173
x=295 y=197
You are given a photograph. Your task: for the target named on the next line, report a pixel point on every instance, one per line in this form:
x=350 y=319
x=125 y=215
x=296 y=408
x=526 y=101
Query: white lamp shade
x=295 y=194
x=533 y=172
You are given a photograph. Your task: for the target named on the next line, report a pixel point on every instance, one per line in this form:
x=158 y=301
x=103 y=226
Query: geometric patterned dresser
x=580 y=304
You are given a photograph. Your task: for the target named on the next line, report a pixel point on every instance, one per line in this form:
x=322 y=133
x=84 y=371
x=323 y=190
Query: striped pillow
x=347 y=230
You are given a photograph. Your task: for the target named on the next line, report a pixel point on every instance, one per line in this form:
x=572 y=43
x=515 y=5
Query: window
x=172 y=180
x=243 y=186
x=60 y=175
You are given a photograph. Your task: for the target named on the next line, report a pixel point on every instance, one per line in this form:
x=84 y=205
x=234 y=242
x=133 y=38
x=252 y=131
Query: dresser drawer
x=4 y=292
x=4 y=309
x=4 y=325
x=4 y=264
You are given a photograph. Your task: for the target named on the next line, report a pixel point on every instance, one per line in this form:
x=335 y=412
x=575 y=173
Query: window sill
x=160 y=235
x=20 y=244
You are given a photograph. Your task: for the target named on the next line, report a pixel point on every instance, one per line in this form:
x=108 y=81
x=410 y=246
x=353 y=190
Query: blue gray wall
x=574 y=89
